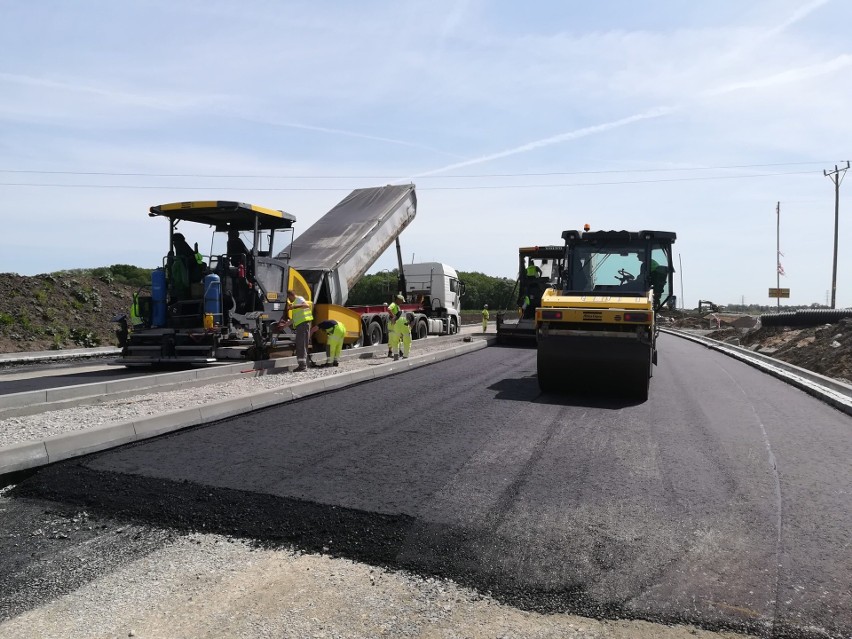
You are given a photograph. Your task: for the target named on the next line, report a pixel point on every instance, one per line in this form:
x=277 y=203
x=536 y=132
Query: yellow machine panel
x=349 y=318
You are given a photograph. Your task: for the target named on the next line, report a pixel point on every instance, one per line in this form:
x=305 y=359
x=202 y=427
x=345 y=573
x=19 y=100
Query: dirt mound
x=59 y=310
x=825 y=349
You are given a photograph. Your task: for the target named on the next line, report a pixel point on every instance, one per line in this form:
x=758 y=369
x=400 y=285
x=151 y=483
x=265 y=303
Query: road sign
x=779 y=292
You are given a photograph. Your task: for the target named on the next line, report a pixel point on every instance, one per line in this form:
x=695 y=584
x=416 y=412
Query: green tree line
x=480 y=289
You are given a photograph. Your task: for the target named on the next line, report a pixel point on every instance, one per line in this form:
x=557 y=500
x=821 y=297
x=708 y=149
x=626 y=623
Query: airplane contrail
x=655 y=112
x=791 y=75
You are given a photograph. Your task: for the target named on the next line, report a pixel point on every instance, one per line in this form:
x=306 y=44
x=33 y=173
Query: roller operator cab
x=596 y=328
x=219 y=301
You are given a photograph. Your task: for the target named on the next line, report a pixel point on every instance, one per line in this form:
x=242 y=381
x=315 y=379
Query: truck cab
x=435 y=285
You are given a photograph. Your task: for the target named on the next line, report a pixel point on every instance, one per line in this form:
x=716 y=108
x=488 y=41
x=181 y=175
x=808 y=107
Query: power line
x=381 y=177
x=426 y=188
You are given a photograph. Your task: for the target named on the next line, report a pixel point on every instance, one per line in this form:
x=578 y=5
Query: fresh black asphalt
x=724 y=500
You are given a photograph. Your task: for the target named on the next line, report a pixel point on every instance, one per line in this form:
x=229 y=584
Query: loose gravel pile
x=211 y=586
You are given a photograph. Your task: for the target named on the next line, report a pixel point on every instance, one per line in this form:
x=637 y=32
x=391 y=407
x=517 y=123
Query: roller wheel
x=548 y=375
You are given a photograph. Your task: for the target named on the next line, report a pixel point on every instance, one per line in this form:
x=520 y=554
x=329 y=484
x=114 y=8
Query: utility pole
x=680 y=266
x=778 y=256
x=836 y=177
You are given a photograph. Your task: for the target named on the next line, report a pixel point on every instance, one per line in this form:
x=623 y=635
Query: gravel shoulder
x=210 y=586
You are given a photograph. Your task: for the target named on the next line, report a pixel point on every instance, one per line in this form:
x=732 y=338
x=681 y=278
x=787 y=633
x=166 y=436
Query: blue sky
x=516 y=121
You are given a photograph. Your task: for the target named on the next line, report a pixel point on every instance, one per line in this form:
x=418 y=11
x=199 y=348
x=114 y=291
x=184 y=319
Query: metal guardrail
x=829 y=390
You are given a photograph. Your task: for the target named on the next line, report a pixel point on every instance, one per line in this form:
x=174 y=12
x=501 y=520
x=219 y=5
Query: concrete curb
x=826 y=389
x=49 y=356
x=30 y=402
x=29 y=455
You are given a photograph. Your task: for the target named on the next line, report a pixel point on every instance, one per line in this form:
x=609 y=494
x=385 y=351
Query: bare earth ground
x=57 y=311
x=825 y=349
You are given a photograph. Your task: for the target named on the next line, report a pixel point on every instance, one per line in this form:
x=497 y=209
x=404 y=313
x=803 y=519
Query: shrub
x=84 y=338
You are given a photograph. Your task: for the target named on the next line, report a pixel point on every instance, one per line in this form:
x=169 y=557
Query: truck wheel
x=374 y=334
x=454 y=328
x=421 y=330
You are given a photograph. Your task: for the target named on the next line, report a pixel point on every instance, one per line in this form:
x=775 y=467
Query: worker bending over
x=402 y=335
x=335 y=332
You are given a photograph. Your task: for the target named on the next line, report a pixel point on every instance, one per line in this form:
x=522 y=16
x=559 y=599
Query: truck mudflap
x=594 y=361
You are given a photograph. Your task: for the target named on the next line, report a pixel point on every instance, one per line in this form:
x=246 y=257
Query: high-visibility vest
x=393 y=309
x=532 y=270
x=301 y=315
x=485 y=313
x=134 y=311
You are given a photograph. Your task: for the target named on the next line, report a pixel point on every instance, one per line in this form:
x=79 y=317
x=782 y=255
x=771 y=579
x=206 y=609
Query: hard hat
x=485 y=306
x=400 y=297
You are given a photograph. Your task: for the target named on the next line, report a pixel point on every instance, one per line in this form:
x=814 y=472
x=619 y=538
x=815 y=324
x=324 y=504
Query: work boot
x=336 y=364
x=395 y=357
x=390 y=353
x=300 y=368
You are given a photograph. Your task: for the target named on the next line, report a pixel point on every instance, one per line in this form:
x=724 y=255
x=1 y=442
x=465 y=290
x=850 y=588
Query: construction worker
x=525 y=304
x=335 y=332
x=136 y=320
x=403 y=332
x=393 y=336
x=302 y=317
x=657 y=278
x=484 y=317
x=533 y=271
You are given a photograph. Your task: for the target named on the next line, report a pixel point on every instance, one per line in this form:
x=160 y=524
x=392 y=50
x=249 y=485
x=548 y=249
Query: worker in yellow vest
x=402 y=327
x=393 y=336
x=484 y=317
x=301 y=319
x=335 y=332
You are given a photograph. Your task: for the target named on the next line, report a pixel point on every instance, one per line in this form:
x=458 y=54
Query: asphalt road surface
x=723 y=501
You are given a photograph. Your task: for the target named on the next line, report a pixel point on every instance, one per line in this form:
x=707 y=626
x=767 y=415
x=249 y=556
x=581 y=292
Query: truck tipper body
x=337 y=250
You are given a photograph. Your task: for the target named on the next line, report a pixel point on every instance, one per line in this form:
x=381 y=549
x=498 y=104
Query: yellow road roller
x=596 y=327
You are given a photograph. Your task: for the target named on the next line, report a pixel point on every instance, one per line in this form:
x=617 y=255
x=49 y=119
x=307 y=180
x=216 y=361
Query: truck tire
x=421 y=330
x=374 y=334
x=454 y=327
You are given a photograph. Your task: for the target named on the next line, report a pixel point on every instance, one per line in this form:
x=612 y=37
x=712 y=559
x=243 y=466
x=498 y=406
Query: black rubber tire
x=454 y=328
x=421 y=330
x=548 y=375
x=374 y=334
x=642 y=384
